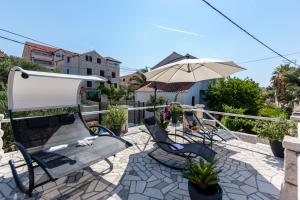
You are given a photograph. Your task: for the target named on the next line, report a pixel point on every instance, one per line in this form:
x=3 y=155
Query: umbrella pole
x=155 y=91
x=99 y=107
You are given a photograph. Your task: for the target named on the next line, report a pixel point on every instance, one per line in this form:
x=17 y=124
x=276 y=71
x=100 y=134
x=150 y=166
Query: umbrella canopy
x=193 y=70
x=33 y=90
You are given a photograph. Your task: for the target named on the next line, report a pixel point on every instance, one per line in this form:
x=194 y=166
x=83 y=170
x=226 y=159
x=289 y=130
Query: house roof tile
x=112 y=59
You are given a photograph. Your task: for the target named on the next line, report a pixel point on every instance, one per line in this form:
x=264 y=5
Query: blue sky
x=141 y=33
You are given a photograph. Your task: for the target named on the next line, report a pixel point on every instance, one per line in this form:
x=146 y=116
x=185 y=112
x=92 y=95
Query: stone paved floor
x=249 y=172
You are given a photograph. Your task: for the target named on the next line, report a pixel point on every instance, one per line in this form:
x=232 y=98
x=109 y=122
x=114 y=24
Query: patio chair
x=51 y=142
x=191 y=149
x=206 y=131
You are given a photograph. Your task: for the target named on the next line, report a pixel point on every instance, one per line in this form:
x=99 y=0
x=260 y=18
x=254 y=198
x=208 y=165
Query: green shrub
x=235 y=92
x=270 y=110
x=275 y=130
x=201 y=174
x=115 y=118
x=151 y=101
x=237 y=123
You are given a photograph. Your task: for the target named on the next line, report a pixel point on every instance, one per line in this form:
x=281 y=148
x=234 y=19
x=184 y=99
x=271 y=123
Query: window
x=99 y=60
x=88 y=71
x=90 y=58
x=89 y=84
x=116 y=85
x=68 y=59
x=102 y=73
x=68 y=71
x=57 y=55
x=123 y=79
x=113 y=75
x=62 y=56
x=86 y=58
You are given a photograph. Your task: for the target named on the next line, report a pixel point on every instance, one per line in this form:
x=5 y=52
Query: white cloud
x=176 y=30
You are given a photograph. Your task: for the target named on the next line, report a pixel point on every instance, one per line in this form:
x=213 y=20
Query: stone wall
x=290 y=184
x=1 y=134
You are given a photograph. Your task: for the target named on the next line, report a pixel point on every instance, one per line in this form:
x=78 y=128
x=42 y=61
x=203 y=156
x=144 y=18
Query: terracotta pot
x=195 y=128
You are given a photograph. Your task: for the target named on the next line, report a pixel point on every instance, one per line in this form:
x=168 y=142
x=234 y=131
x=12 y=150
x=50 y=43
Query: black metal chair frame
x=33 y=162
x=177 y=152
x=206 y=131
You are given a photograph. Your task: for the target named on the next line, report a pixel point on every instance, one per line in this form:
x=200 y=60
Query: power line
x=26 y=37
x=268 y=58
x=251 y=35
x=16 y=41
x=23 y=36
x=26 y=44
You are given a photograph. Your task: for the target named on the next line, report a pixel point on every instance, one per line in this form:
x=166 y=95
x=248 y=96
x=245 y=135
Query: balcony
x=41 y=56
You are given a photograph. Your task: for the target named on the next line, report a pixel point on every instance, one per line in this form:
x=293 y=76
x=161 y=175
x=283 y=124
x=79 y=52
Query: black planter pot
x=116 y=131
x=174 y=117
x=214 y=193
x=277 y=149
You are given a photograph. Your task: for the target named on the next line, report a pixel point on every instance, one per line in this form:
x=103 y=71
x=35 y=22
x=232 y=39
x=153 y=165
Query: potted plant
x=275 y=131
x=194 y=126
x=164 y=119
x=203 y=180
x=115 y=118
x=175 y=112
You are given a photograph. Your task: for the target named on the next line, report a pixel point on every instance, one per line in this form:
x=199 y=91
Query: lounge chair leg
x=160 y=162
x=20 y=185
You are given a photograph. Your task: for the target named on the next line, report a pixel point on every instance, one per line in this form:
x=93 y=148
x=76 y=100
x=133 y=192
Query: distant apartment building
x=89 y=63
x=92 y=63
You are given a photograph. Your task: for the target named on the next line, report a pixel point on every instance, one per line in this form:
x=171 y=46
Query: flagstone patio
x=249 y=172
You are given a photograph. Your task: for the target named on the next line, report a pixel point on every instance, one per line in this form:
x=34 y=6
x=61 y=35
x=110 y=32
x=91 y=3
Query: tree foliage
x=7 y=63
x=286 y=84
x=237 y=93
x=113 y=94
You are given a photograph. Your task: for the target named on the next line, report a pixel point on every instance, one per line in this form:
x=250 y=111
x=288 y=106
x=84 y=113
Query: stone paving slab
x=249 y=172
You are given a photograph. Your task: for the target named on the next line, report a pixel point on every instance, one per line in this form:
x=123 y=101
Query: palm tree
x=140 y=79
x=291 y=95
x=278 y=81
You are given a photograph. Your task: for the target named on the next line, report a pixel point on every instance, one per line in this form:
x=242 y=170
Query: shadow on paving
x=143 y=178
x=247 y=175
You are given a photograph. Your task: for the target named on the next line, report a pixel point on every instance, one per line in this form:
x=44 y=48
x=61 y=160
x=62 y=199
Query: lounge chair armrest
x=170 y=144
x=102 y=127
x=24 y=152
x=209 y=125
x=185 y=138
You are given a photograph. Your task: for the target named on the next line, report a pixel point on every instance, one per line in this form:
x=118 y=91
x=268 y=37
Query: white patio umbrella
x=192 y=70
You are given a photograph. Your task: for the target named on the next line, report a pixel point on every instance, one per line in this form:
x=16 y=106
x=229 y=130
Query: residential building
x=44 y=55
x=89 y=63
x=189 y=93
x=173 y=57
x=2 y=54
